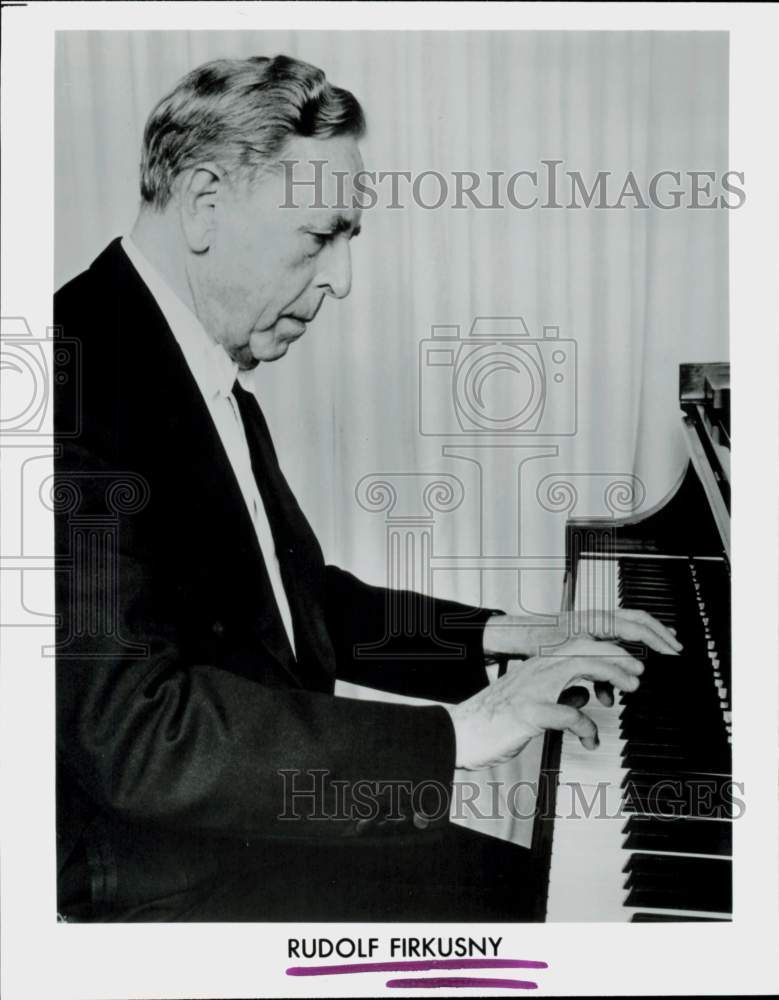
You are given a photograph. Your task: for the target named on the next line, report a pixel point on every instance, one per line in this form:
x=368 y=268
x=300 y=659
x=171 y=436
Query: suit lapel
x=171 y=411
x=298 y=551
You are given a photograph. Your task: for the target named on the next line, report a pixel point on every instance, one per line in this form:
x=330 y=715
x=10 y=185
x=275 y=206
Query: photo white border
x=43 y=959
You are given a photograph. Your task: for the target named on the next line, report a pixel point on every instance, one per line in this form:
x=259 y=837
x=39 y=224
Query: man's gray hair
x=240 y=113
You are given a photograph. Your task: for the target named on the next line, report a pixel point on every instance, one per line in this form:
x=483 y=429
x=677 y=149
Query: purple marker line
x=457 y=981
x=424 y=965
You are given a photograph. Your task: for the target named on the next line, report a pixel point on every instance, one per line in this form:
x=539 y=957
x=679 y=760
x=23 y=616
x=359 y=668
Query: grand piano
x=640 y=830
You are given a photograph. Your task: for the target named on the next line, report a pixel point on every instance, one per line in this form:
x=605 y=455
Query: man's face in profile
x=268 y=267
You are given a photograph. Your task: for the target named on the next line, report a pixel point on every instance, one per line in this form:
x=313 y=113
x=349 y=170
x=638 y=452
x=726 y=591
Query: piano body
x=640 y=829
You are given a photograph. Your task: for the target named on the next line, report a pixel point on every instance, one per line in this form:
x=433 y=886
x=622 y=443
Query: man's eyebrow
x=344 y=225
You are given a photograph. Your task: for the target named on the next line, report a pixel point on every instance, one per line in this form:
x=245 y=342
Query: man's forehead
x=319 y=178
x=339 y=152
x=330 y=164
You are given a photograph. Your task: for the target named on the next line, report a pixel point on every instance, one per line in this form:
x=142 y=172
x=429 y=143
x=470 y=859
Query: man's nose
x=335 y=275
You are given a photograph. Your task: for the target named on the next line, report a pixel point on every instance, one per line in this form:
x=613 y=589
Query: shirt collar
x=212 y=367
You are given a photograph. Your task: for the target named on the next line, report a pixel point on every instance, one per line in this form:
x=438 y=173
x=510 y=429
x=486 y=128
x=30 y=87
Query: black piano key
x=670 y=918
x=697 y=892
x=673 y=695
x=641 y=738
x=683 y=743
x=708 y=728
x=650 y=589
x=684 y=716
x=679 y=883
x=673 y=691
x=632 y=585
x=670 y=705
x=682 y=781
x=674 y=746
x=701 y=761
x=674 y=896
x=706 y=797
x=689 y=836
x=693 y=659
x=687 y=659
x=671 y=699
x=703 y=870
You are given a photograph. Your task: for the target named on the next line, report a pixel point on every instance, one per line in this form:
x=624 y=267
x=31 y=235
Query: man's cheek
x=302 y=259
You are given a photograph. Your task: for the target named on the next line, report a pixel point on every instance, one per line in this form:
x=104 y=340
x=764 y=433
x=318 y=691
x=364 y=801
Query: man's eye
x=319 y=240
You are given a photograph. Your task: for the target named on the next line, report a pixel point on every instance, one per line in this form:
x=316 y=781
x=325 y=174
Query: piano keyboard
x=642 y=830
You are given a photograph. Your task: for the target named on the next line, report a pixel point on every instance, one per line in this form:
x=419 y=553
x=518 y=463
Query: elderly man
x=205 y=769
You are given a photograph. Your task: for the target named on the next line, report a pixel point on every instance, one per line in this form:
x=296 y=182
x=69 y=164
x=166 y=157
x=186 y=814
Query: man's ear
x=200 y=189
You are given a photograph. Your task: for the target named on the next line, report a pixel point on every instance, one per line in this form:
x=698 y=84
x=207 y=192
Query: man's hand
x=509 y=635
x=539 y=694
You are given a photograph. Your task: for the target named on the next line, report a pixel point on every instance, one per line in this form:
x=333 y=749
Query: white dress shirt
x=215 y=372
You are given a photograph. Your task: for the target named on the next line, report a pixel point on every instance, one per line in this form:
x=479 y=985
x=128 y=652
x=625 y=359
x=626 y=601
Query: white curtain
x=637 y=290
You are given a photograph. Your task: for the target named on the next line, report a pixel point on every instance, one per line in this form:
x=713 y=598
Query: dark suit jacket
x=179 y=701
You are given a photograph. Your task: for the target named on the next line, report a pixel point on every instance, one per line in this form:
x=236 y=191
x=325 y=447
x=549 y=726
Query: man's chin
x=244 y=358
x=262 y=347
x=249 y=356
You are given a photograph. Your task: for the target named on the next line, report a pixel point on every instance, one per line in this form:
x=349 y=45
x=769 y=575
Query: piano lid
x=704 y=396
x=708 y=386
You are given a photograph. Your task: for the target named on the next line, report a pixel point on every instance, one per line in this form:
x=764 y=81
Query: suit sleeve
x=158 y=740
x=405 y=642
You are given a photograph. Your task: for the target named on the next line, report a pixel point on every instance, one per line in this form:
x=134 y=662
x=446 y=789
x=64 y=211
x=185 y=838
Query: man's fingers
x=634 y=625
x=635 y=631
x=566 y=717
x=649 y=631
x=576 y=696
x=604 y=692
x=599 y=649
x=591 y=668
